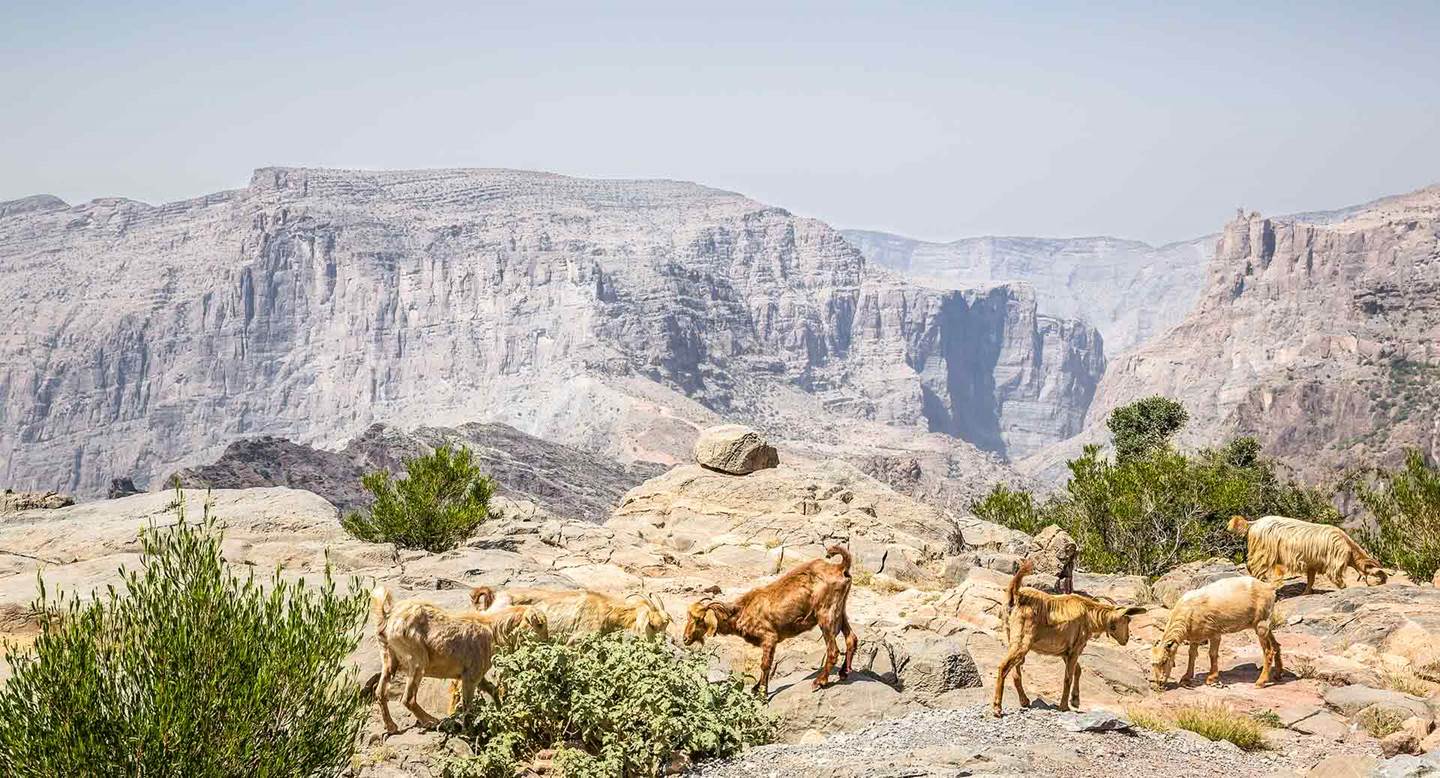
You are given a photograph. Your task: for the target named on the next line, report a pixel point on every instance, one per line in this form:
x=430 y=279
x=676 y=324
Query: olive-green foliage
x=441 y=500
x=186 y=670
x=1013 y=508
x=1145 y=425
x=1153 y=510
x=1406 y=507
x=614 y=705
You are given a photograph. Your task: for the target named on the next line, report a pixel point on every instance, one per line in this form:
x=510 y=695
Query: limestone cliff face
x=1131 y=291
x=617 y=316
x=1323 y=339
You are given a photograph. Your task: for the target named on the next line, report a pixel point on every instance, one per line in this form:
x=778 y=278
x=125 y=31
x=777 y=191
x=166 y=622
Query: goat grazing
x=1221 y=608
x=812 y=594
x=1057 y=625
x=1276 y=545
x=428 y=642
x=574 y=612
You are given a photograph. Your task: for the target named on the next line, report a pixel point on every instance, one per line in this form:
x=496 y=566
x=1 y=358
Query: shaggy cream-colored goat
x=570 y=613
x=1203 y=615
x=813 y=594
x=428 y=642
x=1277 y=545
x=1057 y=625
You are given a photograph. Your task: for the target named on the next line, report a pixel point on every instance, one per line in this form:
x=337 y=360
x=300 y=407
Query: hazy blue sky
x=936 y=120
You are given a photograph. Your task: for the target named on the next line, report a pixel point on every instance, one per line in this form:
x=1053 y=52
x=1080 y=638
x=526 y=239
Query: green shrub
x=1406 y=507
x=613 y=705
x=1145 y=425
x=1156 y=508
x=1014 y=508
x=441 y=501
x=186 y=670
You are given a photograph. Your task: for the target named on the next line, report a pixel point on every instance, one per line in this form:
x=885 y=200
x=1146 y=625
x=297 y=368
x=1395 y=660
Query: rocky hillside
x=1322 y=339
x=926 y=604
x=615 y=316
x=1131 y=291
x=560 y=479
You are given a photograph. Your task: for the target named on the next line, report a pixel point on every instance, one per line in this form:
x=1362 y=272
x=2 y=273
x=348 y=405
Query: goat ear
x=1171 y=645
x=712 y=622
x=1134 y=610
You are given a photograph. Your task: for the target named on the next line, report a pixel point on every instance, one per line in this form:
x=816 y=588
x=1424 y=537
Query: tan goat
x=428 y=642
x=1276 y=545
x=570 y=613
x=813 y=594
x=1057 y=625
x=1202 y=615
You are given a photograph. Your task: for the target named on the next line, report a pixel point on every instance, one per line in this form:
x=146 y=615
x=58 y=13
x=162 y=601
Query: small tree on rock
x=1145 y=425
x=443 y=499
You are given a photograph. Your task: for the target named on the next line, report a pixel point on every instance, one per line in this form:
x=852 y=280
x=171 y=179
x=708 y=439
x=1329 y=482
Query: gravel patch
x=970 y=742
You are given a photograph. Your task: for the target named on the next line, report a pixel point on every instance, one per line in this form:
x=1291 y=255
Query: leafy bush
x=187 y=669
x=1218 y=722
x=1406 y=508
x=441 y=501
x=1157 y=508
x=1145 y=425
x=612 y=705
x=1014 y=508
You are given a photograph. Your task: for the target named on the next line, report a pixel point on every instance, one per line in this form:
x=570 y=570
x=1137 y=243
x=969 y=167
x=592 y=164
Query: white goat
x=1203 y=615
x=1276 y=545
x=570 y=613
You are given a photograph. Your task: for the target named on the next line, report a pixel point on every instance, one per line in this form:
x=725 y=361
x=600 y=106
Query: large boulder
x=1053 y=550
x=14 y=502
x=860 y=699
x=734 y=449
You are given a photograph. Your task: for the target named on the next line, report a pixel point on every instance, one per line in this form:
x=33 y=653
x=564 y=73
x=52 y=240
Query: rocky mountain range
x=613 y=316
x=1131 y=291
x=1319 y=334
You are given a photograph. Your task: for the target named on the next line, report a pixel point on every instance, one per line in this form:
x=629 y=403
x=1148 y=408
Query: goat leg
x=1189 y=679
x=1019 y=682
x=832 y=653
x=1075 y=686
x=767 y=661
x=1024 y=634
x=1213 y=677
x=1065 y=684
x=382 y=691
x=852 y=642
x=412 y=688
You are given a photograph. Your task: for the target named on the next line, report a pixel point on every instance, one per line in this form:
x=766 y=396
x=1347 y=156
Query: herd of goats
x=426 y=641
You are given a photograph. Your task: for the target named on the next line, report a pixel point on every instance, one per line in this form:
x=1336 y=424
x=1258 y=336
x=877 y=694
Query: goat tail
x=1238 y=525
x=482 y=597
x=1011 y=594
x=844 y=555
x=380 y=602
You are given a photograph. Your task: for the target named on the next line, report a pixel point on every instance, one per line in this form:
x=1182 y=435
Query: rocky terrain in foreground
x=927 y=605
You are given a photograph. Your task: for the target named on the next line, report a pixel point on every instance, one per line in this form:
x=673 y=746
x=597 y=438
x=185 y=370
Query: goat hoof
x=1024 y=702
x=995 y=712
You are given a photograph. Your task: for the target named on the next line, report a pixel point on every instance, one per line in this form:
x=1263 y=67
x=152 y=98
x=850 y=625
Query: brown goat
x=429 y=642
x=813 y=594
x=1057 y=625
